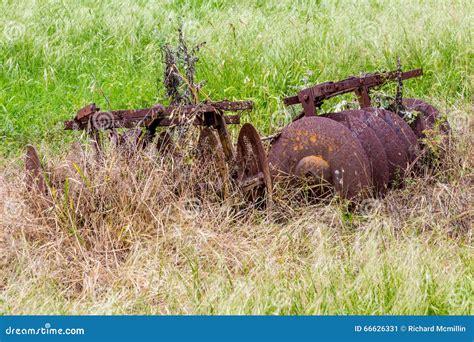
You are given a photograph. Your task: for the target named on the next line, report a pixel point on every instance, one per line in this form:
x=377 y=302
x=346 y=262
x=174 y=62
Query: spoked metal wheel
x=253 y=172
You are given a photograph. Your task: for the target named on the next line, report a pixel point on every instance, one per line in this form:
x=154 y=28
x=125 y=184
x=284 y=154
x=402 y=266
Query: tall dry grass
x=133 y=234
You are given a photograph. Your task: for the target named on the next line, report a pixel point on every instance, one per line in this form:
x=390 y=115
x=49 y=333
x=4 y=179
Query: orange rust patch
x=315 y=165
x=298 y=147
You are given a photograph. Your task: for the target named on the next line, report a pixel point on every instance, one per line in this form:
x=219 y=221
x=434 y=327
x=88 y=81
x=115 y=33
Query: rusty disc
x=210 y=156
x=427 y=118
x=338 y=155
x=253 y=171
x=396 y=154
x=372 y=147
x=403 y=130
x=34 y=172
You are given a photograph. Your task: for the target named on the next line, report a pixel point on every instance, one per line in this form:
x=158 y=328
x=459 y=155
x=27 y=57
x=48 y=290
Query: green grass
x=72 y=53
x=409 y=253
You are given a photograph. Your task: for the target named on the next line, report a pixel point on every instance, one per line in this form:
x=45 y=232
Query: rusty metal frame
x=312 y=97
x=159 y=115
x=207 y=114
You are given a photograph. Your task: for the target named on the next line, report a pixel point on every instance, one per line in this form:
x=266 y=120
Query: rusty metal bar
x=312 y=96
x=363 y=96
x=220 y=125
x=228 y=106
x=156 y=116
x=131 y=123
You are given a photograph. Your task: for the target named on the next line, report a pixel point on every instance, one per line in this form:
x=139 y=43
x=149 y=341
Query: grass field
x=409 y=253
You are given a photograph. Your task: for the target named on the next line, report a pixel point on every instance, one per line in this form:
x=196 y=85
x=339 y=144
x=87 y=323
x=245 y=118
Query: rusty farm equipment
x=357 y=152
x=131 y=130
x=360 y=151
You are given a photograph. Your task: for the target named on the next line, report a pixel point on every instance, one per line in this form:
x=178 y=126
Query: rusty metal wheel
x=397 y=156
x=426 y=119
x=372 y=146
x=210 y=159
x=253 y=172
x=323 y=148
x=403 y=130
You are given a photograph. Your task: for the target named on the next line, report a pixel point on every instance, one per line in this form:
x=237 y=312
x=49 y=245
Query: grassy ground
x=132 y=247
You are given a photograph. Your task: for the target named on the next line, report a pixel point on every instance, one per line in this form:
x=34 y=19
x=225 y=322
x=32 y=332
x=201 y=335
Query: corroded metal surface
x=219 y=123
x=330 y=142
x=312 y=97
x=426 y=119
x=253 y=172
x=157 y=115
x=314 y=166
x=86 y=111
x=403 y=130
x=395 y=151
x=207 y=114
x=372 y=146
x=392 y=133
